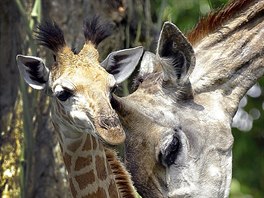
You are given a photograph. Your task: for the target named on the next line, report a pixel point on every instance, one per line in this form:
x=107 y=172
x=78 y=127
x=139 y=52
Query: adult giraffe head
x=178 y=121
x=78 y=84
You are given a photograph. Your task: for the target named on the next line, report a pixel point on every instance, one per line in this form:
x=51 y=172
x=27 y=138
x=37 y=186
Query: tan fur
x=85 y=157
x=82 y=115
x=87 y=61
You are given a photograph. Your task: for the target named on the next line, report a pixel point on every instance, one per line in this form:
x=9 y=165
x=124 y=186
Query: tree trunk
x=37 y=150
x=9 y=78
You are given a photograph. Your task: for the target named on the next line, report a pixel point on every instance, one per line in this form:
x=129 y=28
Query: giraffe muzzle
x=109 y=128
x=109 y=122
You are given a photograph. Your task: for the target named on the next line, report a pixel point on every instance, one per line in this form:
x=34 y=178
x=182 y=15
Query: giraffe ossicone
x=80 y=89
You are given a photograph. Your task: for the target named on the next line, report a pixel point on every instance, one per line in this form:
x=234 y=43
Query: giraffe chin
x=112 y=135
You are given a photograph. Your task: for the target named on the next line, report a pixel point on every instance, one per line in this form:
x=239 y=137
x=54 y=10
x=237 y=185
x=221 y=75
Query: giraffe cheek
x=81 y=120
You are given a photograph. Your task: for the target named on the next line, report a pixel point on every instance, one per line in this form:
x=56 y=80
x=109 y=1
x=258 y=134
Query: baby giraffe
x=82 y=115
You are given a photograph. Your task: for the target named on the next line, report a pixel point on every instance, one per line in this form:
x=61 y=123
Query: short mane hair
x=95 y=30
x=215 y=20
x=50 y=35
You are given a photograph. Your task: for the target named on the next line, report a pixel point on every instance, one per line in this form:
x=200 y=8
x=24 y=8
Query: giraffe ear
x=33 y=70
x=122 y=63
x=176 y=54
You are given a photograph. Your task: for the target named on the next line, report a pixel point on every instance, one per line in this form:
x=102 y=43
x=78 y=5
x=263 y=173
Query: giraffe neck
x=89 y=172
x=95 y=171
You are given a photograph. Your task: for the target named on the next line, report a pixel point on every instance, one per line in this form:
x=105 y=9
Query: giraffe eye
x=63 y=95
x=114 y=88
x=169 y=150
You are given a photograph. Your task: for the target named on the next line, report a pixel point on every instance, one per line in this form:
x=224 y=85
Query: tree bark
x=10 y=42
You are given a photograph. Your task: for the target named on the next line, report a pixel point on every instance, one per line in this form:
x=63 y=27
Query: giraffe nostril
x=109 y=122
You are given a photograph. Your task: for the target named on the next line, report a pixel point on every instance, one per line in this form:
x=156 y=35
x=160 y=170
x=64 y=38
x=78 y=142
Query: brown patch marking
x=83 y=162
x=87 y=144
x=94 y=143
x=100 y=168
x=85 y=179
x=73 y=190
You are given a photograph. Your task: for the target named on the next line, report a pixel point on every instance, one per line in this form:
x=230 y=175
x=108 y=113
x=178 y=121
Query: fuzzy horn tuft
x=51 y=36
x=95 y=30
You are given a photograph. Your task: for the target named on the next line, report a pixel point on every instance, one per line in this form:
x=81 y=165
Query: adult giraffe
x=81 y=112
x=178 y=121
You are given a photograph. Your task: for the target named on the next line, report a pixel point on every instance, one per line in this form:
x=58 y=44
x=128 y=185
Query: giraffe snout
x=109 y=128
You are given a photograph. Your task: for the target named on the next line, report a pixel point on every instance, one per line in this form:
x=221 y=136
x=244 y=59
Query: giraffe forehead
x=81 y=75
x=94 y=81
x=76 y=62
x=88 y=73
x=87 y=58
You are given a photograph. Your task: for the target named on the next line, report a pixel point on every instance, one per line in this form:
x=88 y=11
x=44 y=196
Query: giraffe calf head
x=79 y=84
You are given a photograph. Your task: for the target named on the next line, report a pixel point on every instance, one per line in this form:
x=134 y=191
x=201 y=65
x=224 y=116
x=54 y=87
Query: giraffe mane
x=50 y=35
x=216 y=19
x=95 y=30
x=122 y=177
